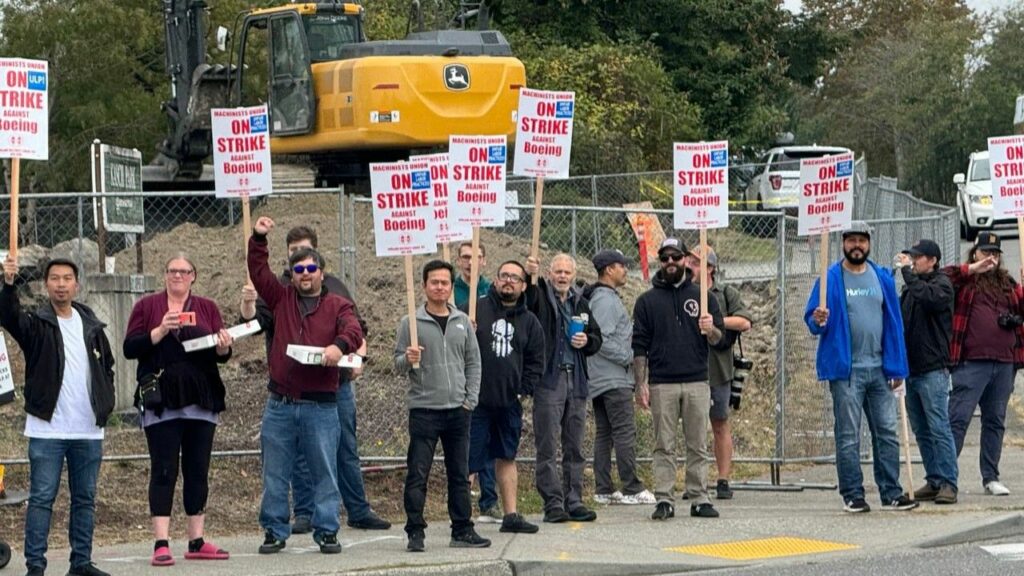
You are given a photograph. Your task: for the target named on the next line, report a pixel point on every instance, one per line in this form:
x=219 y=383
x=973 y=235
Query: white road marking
x=288 y=550
x=1006 y=552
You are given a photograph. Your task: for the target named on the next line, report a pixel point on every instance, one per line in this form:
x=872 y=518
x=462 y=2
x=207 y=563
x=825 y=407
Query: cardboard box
x=209 y=341
x=314 y=356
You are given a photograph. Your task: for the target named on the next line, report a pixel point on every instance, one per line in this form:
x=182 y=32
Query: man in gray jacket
x=611 y=385
x=444 y=386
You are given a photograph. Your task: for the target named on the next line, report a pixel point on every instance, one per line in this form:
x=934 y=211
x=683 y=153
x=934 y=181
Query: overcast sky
x=976 y=5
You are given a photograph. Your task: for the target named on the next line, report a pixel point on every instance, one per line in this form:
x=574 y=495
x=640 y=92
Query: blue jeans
x=290 y=429
x=866 y=393
x=46 y=459
x=350 y=474
x=488 y=492
x=928 y=412
x=988 y=385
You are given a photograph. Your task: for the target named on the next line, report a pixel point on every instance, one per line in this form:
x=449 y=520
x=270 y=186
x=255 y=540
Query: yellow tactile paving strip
x=763 y=548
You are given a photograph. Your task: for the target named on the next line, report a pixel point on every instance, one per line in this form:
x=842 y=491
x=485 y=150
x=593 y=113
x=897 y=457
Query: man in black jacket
x=350 y=476
x=69 y=394
x=560 y=402
x=670 y=365
x=512 y=356
x=927 y=307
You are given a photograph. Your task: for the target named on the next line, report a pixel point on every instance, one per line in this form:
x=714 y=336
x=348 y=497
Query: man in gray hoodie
x=611 y=385
x=444 y=386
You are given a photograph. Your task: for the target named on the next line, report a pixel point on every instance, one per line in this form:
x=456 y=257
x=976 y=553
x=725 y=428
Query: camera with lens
x=1009 y=321
x=741 y=369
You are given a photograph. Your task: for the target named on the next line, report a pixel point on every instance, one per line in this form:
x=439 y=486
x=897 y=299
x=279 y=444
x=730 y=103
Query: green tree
x=627 y=111
x=997 y=82
x=105 y=63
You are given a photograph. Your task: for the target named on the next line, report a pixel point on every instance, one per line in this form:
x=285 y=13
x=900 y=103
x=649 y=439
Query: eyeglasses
x=673 y=257
x=300 y=268
x=177 y=272
x=509 y=277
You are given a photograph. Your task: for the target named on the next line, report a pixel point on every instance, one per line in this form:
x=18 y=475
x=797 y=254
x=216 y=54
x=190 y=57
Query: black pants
x=192 y=440
x=426 y=427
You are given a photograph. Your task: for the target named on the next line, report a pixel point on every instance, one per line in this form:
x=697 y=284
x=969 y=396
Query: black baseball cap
x=673 y=244
x=925 y=247
x=606 y=258
x=989 y=242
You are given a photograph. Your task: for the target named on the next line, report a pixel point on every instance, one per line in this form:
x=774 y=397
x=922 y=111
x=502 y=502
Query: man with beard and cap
x=670 y=365
x=301 y=415
x=512 y=357
x=560 y=401
x=862 y=356
x=611 y=385
x=927 y=305
x=985 y=350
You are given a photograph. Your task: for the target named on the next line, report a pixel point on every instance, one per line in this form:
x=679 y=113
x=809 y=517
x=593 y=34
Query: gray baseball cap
x=858 y=227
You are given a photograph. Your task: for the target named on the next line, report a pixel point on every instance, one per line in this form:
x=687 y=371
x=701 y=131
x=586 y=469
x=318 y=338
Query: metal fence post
x=81 y=238
x=595 y=216
x=574 y=232
x=780 y=363
x=342 y=259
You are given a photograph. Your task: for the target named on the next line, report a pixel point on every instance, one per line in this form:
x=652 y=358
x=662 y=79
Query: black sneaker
x=582 y=514
x=271 y=545
x=370 y=522
x=89 y=569
x=722 y=490
x=301 y=525
x=469 y=539
x=416 y=542
x=329 y=544
x=703 y=511
x=663 y=511
x=900 y=504
x=556 y=516
x=856 y=506
x=36 y=571
x=516 y=524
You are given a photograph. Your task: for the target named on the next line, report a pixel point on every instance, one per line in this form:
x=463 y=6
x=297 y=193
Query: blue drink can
x=576 y=326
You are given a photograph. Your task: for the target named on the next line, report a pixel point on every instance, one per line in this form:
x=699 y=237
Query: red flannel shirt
x=965 y=286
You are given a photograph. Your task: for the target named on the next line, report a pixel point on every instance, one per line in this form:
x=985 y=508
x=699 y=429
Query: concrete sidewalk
x=624 y=541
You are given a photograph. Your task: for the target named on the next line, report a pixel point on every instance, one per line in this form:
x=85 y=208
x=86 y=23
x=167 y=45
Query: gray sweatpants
x=559 y=419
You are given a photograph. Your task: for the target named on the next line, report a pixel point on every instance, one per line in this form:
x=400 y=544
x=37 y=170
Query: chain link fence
x=786 y=413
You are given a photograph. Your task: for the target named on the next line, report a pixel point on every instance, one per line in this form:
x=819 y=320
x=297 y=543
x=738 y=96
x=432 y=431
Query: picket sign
x=24 y=123
x=826 y=204
x=1006 y=161
x=477 y=187
x=543 y=144
x=403 y=220
x=701 y=195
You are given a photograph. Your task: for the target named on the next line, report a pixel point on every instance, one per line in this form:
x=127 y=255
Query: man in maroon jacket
x=301 y=415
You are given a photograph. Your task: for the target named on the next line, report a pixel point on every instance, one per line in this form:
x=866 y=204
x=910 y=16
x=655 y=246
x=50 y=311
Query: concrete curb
x=490 y=567
x=998 y=527
x=532 y=568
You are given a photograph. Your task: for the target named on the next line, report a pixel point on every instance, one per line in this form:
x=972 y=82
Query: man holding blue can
x=560 y=401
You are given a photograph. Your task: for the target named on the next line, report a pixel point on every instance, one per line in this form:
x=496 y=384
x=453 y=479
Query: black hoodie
x=665 y=330
x=927 y=306
x=511 y=350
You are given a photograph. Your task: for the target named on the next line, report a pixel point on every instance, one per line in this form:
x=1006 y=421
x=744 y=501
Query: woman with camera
x=180 y=397
x=986 y=348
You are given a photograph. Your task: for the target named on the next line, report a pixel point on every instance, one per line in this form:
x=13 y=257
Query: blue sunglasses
x=300 y=268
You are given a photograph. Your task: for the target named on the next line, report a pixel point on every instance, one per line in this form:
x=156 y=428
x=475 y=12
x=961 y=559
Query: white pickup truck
x=974 y=197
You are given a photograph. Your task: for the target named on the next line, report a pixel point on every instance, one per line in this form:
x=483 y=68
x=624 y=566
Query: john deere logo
x=456 y=77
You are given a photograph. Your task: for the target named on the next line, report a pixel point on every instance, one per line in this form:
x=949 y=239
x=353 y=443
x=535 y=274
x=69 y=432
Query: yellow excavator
x=334 y=97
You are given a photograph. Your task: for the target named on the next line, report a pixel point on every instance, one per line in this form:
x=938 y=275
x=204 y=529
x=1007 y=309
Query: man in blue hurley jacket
x=862 y=355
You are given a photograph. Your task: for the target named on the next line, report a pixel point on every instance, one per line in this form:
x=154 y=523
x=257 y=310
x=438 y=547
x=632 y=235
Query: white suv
x=974 y=197
x=774 y=187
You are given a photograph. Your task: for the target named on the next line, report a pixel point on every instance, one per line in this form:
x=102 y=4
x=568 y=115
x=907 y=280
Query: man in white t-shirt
x=69 y=394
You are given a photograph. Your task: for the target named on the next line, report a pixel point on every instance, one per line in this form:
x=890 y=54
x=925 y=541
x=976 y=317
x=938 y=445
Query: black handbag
x=148 y=395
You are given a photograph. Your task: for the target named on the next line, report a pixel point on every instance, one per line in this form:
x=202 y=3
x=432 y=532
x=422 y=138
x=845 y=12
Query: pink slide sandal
x=208 y=552
x=162 y=557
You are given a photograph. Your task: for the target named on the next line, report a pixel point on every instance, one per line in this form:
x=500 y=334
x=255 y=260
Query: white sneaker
x=644 y=497
x=996 y=488
x=606 y=499
x=491 y=515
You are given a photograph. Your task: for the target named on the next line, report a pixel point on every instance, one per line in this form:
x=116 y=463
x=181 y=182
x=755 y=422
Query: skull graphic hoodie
x=511 y=350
